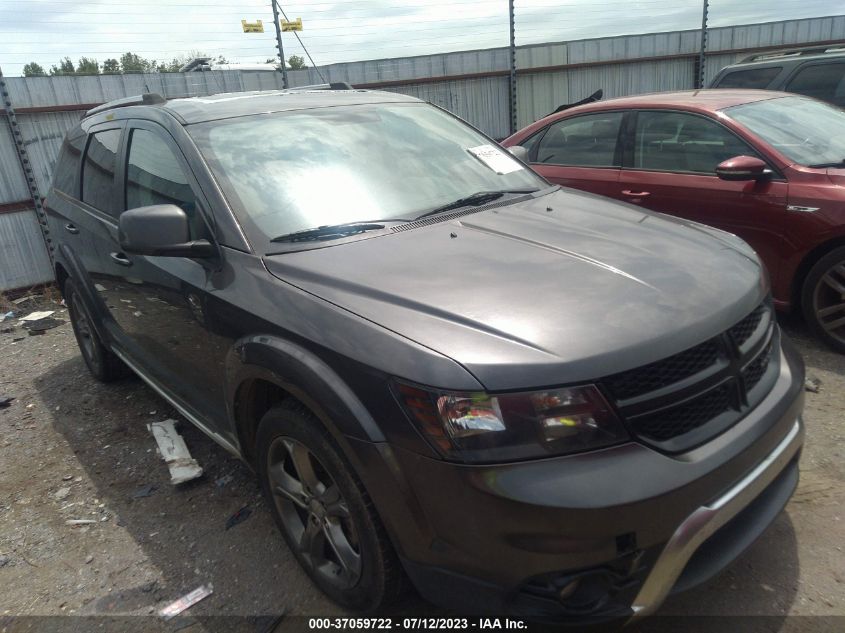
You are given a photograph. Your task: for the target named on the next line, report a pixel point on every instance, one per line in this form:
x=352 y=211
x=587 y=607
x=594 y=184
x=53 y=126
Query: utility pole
x=279 y=43
x=512 y=68
x=700 y=79
x=26 y=164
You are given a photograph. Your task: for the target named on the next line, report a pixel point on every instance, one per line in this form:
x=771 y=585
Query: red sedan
x=766 y=166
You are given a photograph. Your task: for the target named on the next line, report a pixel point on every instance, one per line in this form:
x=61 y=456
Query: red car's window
x=678 y=142
x=583 y=141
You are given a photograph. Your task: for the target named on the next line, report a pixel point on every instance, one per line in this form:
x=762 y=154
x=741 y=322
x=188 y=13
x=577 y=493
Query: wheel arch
x=262 y=371
x=806 y=265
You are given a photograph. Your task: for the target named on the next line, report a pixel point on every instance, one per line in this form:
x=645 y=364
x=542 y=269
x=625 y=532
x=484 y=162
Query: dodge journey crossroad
x=521 y=399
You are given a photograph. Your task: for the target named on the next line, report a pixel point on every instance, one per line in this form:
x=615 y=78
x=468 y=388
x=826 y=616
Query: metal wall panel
x=23 y=255
x=12 y=184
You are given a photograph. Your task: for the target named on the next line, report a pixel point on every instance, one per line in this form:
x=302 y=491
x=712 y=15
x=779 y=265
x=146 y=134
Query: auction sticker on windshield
x=495 y=159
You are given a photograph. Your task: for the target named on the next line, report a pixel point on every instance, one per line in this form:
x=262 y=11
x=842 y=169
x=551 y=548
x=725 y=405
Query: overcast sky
x=46 y=30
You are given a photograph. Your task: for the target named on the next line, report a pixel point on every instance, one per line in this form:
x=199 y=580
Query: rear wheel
x=323 y=511
x=823 y=299
x=103 y=364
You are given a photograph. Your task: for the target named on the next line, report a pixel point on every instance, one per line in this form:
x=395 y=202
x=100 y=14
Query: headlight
x=479 y=427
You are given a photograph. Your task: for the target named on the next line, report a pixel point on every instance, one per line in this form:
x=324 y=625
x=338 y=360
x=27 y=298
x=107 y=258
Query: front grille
x=743 y=330
x=688 y=398
x=651 y=377
x=686 y=417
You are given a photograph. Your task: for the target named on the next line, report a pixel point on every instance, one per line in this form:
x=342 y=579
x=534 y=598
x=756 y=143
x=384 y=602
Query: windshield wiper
x=476 y=199
x=330 y=232
x=840 y=163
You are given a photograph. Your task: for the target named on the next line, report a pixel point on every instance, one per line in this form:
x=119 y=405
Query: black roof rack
x=796 y=52
x=148 y=98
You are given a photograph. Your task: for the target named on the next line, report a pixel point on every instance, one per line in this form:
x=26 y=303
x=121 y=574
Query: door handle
x=635 y=194
x=120 y=258
x=70 y=228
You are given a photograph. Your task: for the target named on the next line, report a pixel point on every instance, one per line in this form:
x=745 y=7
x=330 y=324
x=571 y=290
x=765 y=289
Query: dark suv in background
x=441 y=367
x=817 y=72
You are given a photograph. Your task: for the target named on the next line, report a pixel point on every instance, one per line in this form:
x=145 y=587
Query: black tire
x=376 y=579
x=101 y=361
x=823 y=299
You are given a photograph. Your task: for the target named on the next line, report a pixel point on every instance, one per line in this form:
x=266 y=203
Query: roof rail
x=337 y=85
x=148 y=98
x=796 y=52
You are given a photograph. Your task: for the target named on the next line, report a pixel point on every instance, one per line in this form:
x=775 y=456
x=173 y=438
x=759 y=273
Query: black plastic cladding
x=730 y=366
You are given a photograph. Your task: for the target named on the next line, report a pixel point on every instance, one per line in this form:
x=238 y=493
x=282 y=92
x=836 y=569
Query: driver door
x=669 y=165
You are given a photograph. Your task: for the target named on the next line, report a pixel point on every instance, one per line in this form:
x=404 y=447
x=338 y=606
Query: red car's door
x=580 y=152
x=669 y=166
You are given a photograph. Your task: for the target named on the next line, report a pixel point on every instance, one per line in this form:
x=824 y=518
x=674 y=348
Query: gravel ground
x=71 y=449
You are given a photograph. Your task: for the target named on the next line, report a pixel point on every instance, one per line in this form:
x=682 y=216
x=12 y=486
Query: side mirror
x=743 y=168
x=520 y=152
x=160 y=229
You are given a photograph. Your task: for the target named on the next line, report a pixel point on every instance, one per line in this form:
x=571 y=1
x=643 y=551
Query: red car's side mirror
x=743 y=168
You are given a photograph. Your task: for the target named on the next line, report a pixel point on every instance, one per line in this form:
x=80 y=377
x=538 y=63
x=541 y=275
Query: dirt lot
x=71 y=448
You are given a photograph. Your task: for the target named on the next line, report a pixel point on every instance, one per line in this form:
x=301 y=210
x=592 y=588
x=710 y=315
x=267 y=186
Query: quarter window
x=677 y=142
x=155 y=176
x=751 y=78
x=821 y=81
x=98 y=170
x=584 y=141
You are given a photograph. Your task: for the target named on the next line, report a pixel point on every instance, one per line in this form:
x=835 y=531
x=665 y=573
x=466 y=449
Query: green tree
x=111 y=67
x=65 y=67
x=134 y=63
x=87 y=66
x=33 y=70
x=296 y=62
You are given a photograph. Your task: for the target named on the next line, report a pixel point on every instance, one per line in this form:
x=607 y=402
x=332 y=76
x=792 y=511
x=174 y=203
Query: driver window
x=678 y=142
x=155 y=176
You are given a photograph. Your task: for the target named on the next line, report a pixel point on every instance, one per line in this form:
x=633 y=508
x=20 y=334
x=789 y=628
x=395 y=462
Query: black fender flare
x=304 y=376
x=76 y=272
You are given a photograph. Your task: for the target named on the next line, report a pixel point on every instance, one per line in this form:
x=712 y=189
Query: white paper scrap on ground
x=496 y=159
x=182 y=466
x=35 y=316
x=185 y=602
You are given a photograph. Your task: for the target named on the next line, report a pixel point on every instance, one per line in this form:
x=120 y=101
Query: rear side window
x=155 y=176
x=583 y=141
x=821 y=81
x=67 y=166
x=752 y=78
x=98 y=170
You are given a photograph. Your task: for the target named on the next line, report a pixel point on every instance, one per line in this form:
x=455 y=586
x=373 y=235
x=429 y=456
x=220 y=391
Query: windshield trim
x=281 y=248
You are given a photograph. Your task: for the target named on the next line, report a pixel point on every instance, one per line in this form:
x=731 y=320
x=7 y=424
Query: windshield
x=806 y=131
x=291 y=171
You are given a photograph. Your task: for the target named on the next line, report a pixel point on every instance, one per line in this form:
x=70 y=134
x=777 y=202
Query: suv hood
x=524 y=297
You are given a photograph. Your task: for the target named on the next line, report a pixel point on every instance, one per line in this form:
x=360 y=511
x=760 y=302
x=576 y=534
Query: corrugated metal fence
x=472 y=84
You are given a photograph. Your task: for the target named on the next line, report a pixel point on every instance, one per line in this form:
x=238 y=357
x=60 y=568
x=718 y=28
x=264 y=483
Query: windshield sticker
x=495 y=159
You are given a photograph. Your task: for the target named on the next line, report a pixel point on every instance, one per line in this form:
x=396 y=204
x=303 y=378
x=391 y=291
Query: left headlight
x=479 y=427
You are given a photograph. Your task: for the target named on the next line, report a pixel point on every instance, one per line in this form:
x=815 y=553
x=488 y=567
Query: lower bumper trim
x=707 y=519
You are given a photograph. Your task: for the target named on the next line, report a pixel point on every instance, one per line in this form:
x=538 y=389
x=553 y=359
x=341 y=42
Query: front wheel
x=823 y=299
x=323 y=511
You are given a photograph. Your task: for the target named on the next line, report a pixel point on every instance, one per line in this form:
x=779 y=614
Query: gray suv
x=817 y=72
x=523 y=399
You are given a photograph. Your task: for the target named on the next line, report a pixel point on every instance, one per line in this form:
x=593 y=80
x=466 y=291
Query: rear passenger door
x=580 y=152
x=670 y=164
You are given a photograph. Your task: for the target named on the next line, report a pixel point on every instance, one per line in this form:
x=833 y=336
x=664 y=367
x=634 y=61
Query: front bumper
x=504 y=538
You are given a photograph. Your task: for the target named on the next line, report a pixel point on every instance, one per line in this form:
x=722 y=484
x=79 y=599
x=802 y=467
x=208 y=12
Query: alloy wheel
x=314 y=513
x=829 y=302
x=84 y=331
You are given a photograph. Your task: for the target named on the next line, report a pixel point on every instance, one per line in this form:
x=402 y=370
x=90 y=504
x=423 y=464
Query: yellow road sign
x=293 y=25
x=252 y=27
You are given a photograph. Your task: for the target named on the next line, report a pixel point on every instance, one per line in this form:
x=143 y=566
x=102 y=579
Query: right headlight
x=479 y=427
